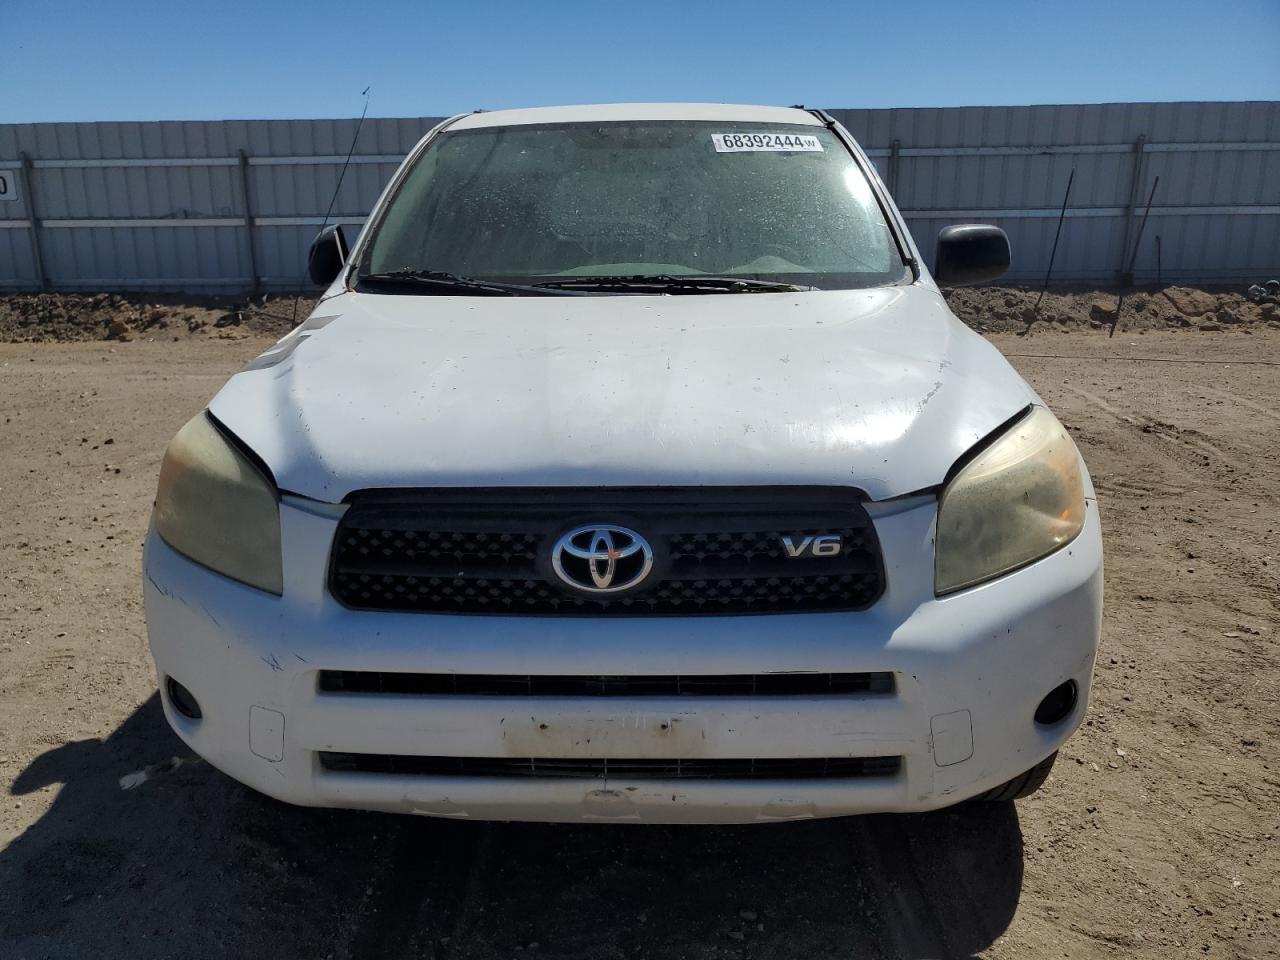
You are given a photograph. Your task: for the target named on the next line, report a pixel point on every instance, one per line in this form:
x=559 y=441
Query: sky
x=67 y=60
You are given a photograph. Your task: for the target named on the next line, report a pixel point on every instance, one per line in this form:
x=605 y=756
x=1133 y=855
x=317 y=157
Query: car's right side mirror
x=970 y=253
x=328 y=254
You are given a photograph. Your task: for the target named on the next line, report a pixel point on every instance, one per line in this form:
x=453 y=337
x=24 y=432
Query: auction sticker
x=772 y=142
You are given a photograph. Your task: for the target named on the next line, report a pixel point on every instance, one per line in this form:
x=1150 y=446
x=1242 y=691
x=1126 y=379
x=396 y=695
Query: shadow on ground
x=191 y=864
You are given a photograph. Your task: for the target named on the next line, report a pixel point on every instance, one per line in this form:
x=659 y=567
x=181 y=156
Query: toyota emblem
x=599 y=559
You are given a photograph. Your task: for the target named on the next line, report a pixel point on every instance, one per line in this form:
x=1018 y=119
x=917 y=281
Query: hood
x=876 y=389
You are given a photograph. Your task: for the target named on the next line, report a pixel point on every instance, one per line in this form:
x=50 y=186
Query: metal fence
x=227 y=206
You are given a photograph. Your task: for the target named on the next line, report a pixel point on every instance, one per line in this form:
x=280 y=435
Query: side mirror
x=970 y=253
x=328 y=254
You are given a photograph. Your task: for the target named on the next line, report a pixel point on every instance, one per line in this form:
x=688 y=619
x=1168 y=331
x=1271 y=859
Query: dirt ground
x=1157 y=836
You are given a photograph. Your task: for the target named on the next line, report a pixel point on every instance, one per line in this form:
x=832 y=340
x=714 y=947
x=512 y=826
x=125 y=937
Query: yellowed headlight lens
x=1018 y=500
x=215 y=506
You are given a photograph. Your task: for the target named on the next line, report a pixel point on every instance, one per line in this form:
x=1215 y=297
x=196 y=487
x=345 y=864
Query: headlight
x=215 y=506
x=1018 y=500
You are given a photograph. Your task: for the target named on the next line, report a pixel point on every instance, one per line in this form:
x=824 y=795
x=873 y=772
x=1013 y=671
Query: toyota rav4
x=631 y=467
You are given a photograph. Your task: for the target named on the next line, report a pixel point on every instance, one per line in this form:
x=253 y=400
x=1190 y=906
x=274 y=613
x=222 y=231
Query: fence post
x=29 y=201
x=895 y=156
x=247 y=206
x=1131 y=208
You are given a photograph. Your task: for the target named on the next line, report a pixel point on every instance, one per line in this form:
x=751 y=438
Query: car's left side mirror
x=970 y=253
x=328 y=254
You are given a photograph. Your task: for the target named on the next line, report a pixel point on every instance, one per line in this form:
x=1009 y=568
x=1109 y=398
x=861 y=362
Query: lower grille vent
x=819 y=768
x=721 y=685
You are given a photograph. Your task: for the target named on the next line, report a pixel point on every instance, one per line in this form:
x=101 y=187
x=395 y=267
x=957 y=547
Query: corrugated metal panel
x=16 y=265
x=196 y=257
x=1008 y=165
x=1066 y=125
x=77 y=256
x=1201 y=247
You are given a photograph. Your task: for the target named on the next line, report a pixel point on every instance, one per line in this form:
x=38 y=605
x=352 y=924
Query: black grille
x=725 y=685
x=818 y=768
x=716 y=550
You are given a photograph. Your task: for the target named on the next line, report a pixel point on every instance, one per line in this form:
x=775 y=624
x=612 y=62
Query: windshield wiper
x=443 y=280
x=666 y=283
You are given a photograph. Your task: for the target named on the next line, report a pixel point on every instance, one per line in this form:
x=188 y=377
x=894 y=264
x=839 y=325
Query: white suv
x=632 y=467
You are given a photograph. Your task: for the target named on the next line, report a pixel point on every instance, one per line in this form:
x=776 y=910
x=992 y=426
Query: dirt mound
x=64 y=317
x=108 y=316
x=1013 y=309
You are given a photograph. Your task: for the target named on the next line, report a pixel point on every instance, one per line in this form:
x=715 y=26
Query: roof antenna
x=293 y=320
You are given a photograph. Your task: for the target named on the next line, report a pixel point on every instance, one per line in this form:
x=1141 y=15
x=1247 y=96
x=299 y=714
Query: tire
x=1023 y=785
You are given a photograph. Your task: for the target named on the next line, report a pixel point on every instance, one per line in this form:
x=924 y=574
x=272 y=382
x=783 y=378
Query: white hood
x=876 y=389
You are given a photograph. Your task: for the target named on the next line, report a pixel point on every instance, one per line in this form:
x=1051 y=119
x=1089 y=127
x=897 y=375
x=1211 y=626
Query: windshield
x=756 y=201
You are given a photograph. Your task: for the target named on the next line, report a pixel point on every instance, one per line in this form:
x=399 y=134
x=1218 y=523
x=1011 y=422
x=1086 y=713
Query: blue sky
x=152 y=60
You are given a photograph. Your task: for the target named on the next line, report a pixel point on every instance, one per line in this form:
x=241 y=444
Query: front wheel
x=1023 y=785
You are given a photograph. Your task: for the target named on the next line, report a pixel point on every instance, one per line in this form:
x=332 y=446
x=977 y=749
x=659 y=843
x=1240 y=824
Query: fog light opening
x=1059 y=702
x=182 y=700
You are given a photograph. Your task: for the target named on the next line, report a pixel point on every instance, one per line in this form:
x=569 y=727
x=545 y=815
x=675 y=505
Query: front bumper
x=969 y=671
